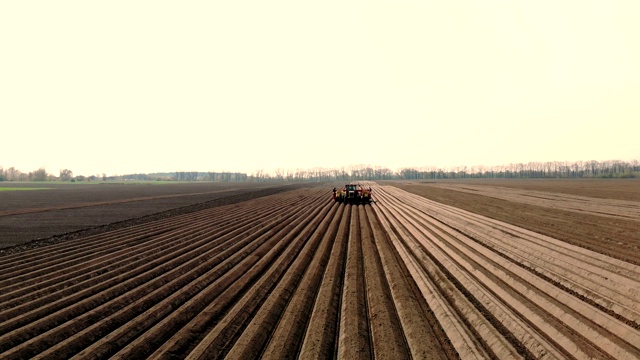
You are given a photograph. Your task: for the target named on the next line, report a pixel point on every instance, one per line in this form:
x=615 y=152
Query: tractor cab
x=353 y=190
x=352 y=193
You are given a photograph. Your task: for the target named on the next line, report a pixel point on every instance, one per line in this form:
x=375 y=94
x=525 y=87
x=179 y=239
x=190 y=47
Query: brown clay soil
x=64 y=210
x=602 y=215
x=295 y=275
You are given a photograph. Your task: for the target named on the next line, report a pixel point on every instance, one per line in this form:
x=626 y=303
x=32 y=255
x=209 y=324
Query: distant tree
x=38 y=175
x=12 y=174
x=279 y=174
x=66 y=175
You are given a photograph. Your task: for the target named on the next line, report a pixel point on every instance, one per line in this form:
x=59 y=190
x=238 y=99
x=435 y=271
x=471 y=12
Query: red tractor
x=352 y=194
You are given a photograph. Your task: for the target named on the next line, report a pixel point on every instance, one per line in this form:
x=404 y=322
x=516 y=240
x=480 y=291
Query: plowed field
x=296 y=275
x=63 y=210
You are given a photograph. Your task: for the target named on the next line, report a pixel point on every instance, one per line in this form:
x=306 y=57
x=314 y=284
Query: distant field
x=21 y=188
x=68 y=207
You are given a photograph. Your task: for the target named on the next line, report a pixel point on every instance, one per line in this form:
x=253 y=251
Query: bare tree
x=38 y=175
x=66 y=175
x=13 y=174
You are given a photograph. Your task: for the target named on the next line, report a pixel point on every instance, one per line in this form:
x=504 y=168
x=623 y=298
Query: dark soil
x=42 y=217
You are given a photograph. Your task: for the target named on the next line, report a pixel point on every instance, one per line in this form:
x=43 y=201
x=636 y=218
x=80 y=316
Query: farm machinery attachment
x=353 y=194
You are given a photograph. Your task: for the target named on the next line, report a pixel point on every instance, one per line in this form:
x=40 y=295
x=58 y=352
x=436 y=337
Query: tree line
x=13 y=174
x=532 y=170
x=549 y=169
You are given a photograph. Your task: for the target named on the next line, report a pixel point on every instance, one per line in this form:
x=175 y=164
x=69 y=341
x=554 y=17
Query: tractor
x=352 y=194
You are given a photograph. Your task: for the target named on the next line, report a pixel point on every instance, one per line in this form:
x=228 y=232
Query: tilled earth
x=602 y=215
x=34 y=218
x=297 y=275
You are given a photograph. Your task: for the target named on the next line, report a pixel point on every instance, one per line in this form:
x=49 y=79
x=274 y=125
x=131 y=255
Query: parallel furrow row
x=37 y=324
x=514 y=292
x=172 y=244
x=603 y=207
x=292 y=275
x=296 y=275
x=611 y=283
x=65 y=254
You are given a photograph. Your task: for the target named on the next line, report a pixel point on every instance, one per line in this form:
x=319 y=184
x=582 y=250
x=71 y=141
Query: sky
x=122 y=87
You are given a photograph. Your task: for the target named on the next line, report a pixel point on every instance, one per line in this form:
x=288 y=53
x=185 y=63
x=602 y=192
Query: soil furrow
x=127 y=291
x=611 y=283
x=387 y=336
x=484 y=299
x=248 y=248
x=466 y=326
x=91 y=244
x=261 y=329
x=354 y=340
x=76 y=292
x=536 y=294
x=295 y=275
x=201 y=309
x=119 y=262
x=227 y=331
x=422 y=331
x=321 y=339
x=289 y=333
x=617 y=238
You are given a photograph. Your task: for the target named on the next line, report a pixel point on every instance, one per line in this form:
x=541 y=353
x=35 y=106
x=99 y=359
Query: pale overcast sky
x=147 y=86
